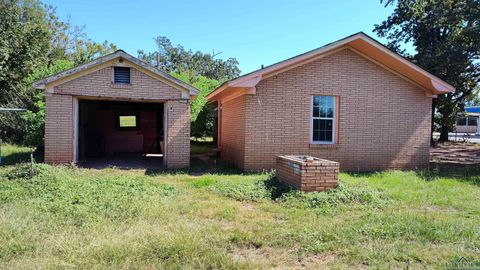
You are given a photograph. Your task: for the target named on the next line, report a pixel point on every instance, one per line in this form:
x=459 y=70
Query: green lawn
x=65 y=218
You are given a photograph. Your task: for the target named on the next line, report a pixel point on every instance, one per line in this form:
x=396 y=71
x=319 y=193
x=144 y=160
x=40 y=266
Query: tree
x=34 y=121
x=24 y=45
x=86 y=50
x=32 y=39
x=201 y=114
x=199 y=69
x=446 y=37
x=179 y=60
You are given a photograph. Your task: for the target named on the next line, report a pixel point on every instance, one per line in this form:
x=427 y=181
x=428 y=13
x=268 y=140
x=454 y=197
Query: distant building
x=469 y=123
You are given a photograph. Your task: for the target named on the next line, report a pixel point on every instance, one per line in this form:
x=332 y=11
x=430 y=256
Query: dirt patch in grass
x=318 y=261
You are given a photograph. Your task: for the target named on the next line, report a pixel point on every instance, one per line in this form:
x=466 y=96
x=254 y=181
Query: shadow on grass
x=199 y=165
x=201 y=147
x=275 y=187
x=12 y=158
x=467 y=174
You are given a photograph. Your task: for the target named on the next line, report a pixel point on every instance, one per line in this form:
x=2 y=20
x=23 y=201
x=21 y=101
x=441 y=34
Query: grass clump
x=248 y=191
x=268 y=188
x=26 y=171
x=344 y=194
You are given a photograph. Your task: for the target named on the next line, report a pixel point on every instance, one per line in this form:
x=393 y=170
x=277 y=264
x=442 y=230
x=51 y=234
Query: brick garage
x=155 y=104
x=367 y=108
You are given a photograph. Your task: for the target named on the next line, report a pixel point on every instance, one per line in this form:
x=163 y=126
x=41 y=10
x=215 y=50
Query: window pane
x=323 y=107
x=462 y=121
x=472 y=121
x=325 y=130
x=315 y=136
x=323 y=111
x=323 y=136
x=328 y=136
x=328 y=125
x=316 y=124
x=316 y=111
x=316 y=101
x=128 y=121
x=331 y=105
x=323 y=125
x=330 y=112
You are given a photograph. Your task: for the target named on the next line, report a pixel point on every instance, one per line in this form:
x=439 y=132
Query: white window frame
x=312 y=118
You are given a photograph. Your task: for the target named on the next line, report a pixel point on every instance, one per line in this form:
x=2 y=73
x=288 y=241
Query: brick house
x=115 y=105
x=353 y=101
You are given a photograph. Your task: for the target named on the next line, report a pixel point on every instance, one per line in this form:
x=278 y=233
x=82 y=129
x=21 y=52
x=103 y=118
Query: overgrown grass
x=66 y=217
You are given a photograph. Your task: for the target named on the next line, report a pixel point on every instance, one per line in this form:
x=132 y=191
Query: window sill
x=323 y=146
x=121 y=85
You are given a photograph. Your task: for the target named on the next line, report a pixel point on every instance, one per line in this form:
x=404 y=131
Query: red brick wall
x=384 y=120
x=233 y=130
x=178 y=134
x=58 y=129
x=59 y=134
x=99 y=84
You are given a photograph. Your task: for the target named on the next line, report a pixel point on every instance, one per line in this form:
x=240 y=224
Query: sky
x=255 y=32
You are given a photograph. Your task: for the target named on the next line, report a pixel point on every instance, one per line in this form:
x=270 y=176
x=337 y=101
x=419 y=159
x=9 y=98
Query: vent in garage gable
x=121 y=75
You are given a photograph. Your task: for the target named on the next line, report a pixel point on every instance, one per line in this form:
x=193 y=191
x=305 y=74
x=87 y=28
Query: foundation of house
x=307 y=173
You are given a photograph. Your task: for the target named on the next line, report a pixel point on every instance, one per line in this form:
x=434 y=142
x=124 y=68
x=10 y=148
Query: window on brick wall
x=121 y=75
x=323 y=120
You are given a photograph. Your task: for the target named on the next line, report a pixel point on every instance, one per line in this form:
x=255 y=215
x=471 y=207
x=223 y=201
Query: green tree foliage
x=199 y=69
x=179 y=60
x=201 y=113
x=34 y=126
x=86 y=50
x=446 y=38
x=25 y=42
x=32 y=41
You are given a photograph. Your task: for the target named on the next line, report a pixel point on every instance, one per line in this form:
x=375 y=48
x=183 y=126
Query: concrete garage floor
x=125 y=161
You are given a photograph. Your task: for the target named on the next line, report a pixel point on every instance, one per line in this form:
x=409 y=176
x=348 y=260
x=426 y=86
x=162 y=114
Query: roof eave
x=42 y=84
x=436 y=85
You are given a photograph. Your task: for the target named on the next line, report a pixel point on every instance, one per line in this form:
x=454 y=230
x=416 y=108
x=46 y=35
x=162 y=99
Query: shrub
x=343 y=194
x=25 y=171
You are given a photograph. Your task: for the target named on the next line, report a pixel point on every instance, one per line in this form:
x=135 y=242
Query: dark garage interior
x=120 y=134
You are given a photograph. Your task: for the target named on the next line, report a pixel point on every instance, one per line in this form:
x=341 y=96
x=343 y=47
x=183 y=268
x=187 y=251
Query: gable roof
x=362 y=44
x=162 y=75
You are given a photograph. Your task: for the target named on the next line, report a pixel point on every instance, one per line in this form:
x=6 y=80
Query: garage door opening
x=121 y=134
